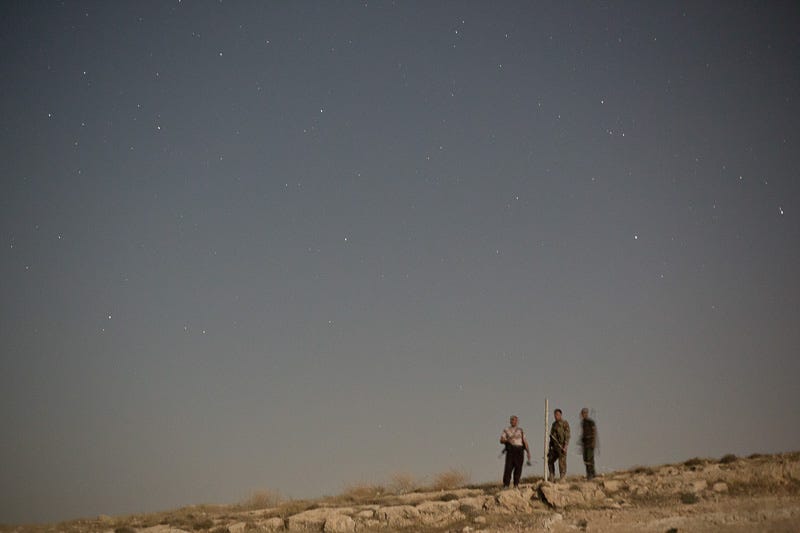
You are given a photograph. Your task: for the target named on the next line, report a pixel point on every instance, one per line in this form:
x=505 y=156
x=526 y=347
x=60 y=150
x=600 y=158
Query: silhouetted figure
x=588 y=442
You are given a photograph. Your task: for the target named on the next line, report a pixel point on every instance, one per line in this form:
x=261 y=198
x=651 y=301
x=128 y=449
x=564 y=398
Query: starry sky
x=293 y=246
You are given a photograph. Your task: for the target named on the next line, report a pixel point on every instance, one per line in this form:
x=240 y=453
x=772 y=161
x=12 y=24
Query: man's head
x=513 y=421
x=557 y=414
x=584 y=413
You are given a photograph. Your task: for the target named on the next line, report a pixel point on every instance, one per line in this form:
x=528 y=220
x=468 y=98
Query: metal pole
x=546 y=435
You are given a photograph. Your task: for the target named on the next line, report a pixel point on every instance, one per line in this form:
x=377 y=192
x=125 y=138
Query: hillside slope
x=759 y=493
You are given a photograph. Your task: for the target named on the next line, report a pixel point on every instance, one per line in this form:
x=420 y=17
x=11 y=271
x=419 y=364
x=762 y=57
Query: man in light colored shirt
x=513 y=437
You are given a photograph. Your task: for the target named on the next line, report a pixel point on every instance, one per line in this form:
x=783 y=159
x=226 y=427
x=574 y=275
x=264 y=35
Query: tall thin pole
x=546 y=435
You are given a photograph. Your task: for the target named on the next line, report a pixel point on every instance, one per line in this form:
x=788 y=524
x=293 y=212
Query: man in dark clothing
x=516 y=444
x=588 y=441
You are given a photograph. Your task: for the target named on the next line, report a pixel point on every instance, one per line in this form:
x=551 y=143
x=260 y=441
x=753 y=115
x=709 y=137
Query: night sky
x=292 y=246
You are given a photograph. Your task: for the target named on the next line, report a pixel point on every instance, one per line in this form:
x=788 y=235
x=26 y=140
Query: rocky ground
x=759 y=493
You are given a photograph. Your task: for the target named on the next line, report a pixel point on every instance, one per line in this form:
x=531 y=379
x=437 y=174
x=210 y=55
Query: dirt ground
x=745 y=514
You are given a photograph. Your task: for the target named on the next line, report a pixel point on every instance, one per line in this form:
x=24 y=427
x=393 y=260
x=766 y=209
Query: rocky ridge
x=709 y=492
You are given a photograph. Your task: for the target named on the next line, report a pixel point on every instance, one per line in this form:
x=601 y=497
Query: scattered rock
x=720 y=487
x=612 y=485
x=698 y=485
x=480 y=520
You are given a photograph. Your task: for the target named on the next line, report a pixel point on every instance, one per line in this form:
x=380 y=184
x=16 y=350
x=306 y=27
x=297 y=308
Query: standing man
x=588 y=441
x=514 y=439
x=559 y=438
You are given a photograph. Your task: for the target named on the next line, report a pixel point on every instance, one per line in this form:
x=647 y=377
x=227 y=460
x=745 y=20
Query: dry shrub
x=206 y=523
x=728 y=458
x=689 y=498
x=694 y=461
x=290 y=508
x=358 y=492
x=450 y=479
x=261 y=499
x=402 y=483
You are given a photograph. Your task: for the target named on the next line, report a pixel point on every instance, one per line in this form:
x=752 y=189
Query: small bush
x=291 y=508
x=124 y=530
x=689 y=498
x=358 y=492
x=261 y=499
x=449 y=497
x=467 y=510
x=220 y=530
x=402 y=483
x=450 y=479
x=643 y=470
x=694 y=461
x=755 y=456
x=728 y=458
x=203 y=524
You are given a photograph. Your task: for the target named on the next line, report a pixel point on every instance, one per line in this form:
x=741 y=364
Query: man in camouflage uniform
x=559 y=438
x=588 y=442
x=513 y=437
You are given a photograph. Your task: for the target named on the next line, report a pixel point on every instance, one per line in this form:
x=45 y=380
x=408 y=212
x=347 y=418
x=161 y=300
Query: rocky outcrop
x=315 y=519
x=542 y=506
x=398 y=516
x=561 y=495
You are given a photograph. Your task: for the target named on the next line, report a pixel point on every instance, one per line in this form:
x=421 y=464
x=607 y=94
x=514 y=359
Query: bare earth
x=759 y=493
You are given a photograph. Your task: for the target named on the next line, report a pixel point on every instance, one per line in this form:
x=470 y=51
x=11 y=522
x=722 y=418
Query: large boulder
x=560 y=496
x=313 y=519
x=473 y=504
x=339 y=523
x=698 y=485
x=397 y=516
x=513 y=501
x=720 y=486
